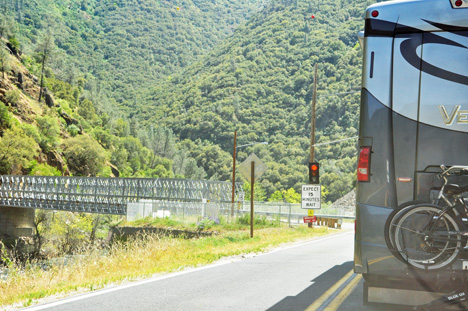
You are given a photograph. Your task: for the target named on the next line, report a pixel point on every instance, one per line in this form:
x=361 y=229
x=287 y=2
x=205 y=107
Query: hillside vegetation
x=260 y=83
x=122 y=47
x=91 y=56
x=62 y=135
x=159 y=87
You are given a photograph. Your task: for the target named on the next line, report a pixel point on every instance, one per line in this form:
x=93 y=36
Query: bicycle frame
x=457 y=198
x=450 y=204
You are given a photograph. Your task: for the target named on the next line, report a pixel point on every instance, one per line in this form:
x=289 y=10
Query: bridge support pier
x=15 y=223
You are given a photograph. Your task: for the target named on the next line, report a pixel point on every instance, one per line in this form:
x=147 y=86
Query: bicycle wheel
x=390 y=224
x=425 y=238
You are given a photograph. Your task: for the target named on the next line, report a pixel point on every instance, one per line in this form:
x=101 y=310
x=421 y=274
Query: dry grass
x=142 y=257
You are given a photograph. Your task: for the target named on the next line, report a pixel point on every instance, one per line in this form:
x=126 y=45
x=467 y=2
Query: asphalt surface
x=288 y=278
x=294 y=277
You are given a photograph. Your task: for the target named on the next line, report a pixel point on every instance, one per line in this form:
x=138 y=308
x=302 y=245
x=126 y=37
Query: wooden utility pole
x=252 y=182
x=233 y=173
x=312 y=127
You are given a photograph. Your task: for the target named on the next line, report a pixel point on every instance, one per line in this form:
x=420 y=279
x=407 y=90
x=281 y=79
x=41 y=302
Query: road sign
x=245 y=168
x=310 y=198
x=308 y=219
x=310 y=212
x=241 y=197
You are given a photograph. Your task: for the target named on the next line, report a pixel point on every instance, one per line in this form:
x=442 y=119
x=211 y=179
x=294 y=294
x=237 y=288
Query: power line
x=336 y=141
x=343 y=93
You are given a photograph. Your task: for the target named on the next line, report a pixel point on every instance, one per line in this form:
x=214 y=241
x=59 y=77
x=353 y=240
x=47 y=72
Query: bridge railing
x=105 y=195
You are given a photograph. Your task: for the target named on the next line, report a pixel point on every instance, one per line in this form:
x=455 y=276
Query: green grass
x=195 y=223
x=142 y=256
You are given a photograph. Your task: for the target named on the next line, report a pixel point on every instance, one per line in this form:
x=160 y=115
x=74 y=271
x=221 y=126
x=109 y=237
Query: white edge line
x=170 y=275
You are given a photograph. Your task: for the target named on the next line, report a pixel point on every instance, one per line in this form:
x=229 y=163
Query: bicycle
x=431 y=236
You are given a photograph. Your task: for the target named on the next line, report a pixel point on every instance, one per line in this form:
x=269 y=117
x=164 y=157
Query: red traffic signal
x=314 y=173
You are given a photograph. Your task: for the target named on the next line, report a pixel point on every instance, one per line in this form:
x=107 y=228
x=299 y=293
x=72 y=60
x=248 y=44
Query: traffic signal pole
x=312 y=127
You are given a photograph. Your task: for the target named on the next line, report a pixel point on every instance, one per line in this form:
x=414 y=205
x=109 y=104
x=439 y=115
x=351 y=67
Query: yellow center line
x=347 y=290
x=317 y=303
x=344 y=292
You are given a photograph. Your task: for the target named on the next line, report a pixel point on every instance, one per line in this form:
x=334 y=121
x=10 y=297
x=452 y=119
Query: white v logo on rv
x=462 y=115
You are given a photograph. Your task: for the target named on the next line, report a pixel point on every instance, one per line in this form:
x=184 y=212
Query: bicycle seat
x=453 y=189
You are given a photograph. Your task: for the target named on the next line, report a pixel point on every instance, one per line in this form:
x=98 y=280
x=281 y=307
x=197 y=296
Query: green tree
x=69 y=230
x=276 y=196
x=86 y=110
x=84 y=155
x=6 y=25
x=5 y=117
x=162 y=142
x=181 y=159
x=45 y=50
x=259 y=192
x=291 y=196
x=192 y=171
x=120 y=128
x=17 y=150
x=50 y=132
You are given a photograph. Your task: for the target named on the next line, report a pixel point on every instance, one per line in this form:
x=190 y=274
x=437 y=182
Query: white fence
x=282 y=212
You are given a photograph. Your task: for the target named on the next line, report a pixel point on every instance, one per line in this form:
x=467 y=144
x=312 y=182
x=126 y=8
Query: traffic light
x=314 y=173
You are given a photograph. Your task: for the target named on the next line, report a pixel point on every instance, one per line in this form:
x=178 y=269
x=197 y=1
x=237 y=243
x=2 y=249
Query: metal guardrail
x=105 y=195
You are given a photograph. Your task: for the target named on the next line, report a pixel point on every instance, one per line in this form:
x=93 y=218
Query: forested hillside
x=123 y=46
x=60 y=132
x=259 y=82
x=168 y=82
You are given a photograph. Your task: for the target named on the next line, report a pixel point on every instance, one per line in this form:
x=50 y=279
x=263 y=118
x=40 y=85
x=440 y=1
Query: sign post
x=252 y=165
x=252 y=168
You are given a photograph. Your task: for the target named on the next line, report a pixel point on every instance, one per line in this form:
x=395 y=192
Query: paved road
x=297 y=277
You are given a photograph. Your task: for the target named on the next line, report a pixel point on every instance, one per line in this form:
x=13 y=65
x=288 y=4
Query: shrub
x=5 y=117
x=31 y=131
x=50 y=131
x=73 y=130
x=12 y=96
x=84 y=155
x=43 y=169
x=17 y=150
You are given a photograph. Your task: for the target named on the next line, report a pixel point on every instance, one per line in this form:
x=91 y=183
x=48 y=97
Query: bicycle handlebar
x=454 y=169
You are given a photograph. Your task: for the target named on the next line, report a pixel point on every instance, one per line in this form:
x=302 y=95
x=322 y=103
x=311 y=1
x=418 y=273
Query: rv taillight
x=375 y=13
x=458 y=2
x=363 y=170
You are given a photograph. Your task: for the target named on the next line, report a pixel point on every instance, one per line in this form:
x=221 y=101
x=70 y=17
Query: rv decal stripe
x=449 y=28
x=379 y=28
x=408 y=51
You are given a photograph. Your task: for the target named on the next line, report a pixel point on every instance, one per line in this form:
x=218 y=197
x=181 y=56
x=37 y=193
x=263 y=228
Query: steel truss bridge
x=105 y=195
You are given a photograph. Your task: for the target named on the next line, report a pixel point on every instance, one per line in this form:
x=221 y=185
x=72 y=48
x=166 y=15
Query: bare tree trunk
x=46 y=49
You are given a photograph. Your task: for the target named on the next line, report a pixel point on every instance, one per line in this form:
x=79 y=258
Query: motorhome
x=413 y=118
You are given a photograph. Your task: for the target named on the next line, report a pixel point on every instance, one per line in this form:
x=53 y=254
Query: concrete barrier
x=330 y=222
